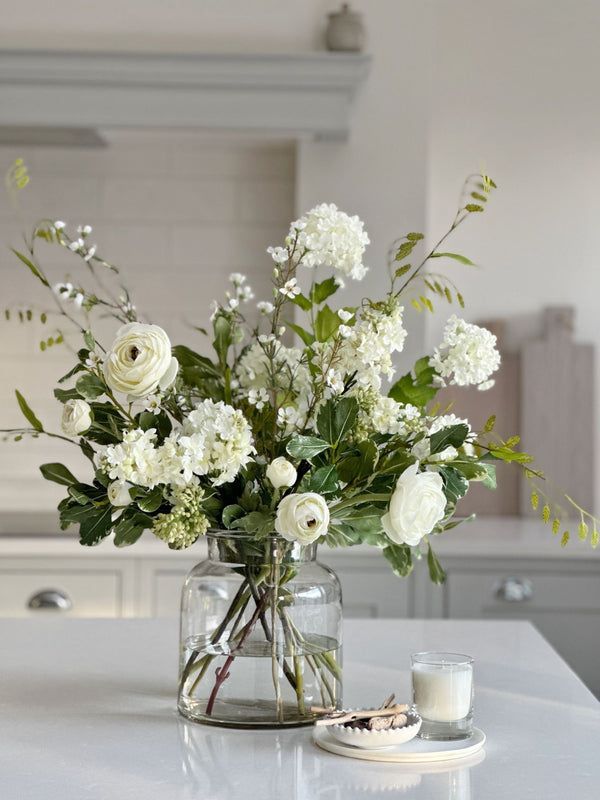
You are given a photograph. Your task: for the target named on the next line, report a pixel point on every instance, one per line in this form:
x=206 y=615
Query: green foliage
x=306 y=336
x=326 y=324
x=323 y=481
x=306 y=447
x=96 y=525
x=417 y=389
x=28 y=413
x=455 y=257
x=199 y=366
x=150 y=500
x=259 y=523
x=107 y=424
x=58 y=473
x=452 y=436
x=321 y=291
x=436 y=572
x=400 y=559
x=302 y=302
x=455 y=484
x=231 y=513
x=31 y=266
x=337 y=418
x=130 y=526
x=223 y=338
x=90 y=386
x=359 y=462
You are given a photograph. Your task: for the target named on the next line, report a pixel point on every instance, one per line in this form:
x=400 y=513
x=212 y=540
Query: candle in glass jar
x=443 y=694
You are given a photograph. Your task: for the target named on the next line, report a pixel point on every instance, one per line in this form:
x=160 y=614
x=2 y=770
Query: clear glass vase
x=261 y=634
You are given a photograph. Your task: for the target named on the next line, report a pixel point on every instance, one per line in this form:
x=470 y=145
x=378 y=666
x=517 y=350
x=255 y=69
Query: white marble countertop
x=38 y=534
x=87 y=712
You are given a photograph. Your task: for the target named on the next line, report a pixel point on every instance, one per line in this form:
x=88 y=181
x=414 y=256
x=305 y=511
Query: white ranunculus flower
x=76 y=417
x=281 y=473
x=417 y=505
x=302 y=517
x=118 y=493
x=140 y=360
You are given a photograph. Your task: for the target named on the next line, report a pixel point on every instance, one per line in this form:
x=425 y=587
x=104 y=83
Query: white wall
x=516 y=89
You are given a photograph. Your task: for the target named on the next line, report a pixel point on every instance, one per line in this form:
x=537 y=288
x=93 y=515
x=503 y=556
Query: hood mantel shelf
x=302 y=95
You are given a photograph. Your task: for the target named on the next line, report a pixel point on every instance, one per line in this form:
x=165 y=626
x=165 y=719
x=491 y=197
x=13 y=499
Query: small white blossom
x=483 y=387
x=278 y=254
x=152 y=403
x=467 y=355
x=265 y=307
x=344 y=315
x=233 y=303
x=258 y=398
x=290 y=288
x=344 y=331
x=83 y=230
x=237 y=278
x=59 y=225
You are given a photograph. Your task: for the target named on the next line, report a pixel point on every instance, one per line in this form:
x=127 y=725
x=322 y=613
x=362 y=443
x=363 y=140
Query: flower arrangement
x=309 y=438
x=266 y=436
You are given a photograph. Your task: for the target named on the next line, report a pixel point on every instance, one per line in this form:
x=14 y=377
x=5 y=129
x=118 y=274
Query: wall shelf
x=299 y=95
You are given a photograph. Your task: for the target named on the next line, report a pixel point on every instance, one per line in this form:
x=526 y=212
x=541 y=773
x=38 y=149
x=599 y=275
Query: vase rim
x=263 y=551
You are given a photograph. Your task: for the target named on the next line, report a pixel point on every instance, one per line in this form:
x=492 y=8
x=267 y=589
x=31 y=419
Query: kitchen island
x=87 y=712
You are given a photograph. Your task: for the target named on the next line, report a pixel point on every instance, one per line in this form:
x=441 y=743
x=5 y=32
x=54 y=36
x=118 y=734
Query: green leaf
x=321 y=291
x=28 y=413
x=66 y=394
x=305 y=335
x=361 y=462
x=260 y=523
x=366 y=523
x=160 y=422
x=405 y=250
x=152 y=501
x=83 y=493
x=58 y=473
x=130 y=526
x=107 y=425
x=414 y=237
x=453 y=436
x=488 y=477
x=436 y=572
x=337 y=418
x=326 y=324
x=455 y=484
x=402 y=270
x=456 y=257
x=203 y=366
x=88 y=338
x=231 y=513
x=400 y=558
x=306 y=447
x=77 y=368
x=28 y=263
x=96 y=525
x=324 y=481
x=473 y=208
x=418 y=390
x=395 y=463
x=302 y=302
x=90 y=386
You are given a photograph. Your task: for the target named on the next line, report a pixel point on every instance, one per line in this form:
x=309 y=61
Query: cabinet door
x=160 y=586
x=564 y=607
x=37 y=592
x=369 y=587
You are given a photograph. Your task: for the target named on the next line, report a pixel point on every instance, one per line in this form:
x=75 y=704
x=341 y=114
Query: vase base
x=239 y=714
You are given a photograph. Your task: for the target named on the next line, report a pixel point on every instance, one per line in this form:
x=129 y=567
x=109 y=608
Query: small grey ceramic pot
x=345 y=31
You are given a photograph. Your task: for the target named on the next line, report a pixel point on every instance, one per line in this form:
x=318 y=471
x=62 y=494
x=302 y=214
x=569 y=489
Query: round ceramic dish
x=374 y=740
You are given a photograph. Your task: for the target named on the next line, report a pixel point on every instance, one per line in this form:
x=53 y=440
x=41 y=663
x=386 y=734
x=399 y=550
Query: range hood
x=299 y=95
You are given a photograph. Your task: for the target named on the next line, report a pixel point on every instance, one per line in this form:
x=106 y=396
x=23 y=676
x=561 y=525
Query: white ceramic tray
x=417 y=751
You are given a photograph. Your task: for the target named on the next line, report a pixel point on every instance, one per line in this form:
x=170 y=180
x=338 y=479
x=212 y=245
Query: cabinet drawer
x=482 y=593
x=25 y=593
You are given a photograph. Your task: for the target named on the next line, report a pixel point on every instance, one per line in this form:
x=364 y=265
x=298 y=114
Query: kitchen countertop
x=87 y=712
x=38 y=534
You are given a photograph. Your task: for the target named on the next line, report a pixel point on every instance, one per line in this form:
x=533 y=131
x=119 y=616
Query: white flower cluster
x=216 y=440
x=259 y=370
x=390 y=417
x=326 y=236
x=242 y=292
x=467 y=355
x=66 y=291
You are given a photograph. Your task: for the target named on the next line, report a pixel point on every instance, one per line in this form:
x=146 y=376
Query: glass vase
x=261 y=634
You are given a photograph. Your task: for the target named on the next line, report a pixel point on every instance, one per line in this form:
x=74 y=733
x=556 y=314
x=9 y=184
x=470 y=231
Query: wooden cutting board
x=557 y=409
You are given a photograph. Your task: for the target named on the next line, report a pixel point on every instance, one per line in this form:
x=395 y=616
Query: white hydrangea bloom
x=467 y=355
x=217 y=441
x=135 y=459
x=330 y=238
x=369 y=345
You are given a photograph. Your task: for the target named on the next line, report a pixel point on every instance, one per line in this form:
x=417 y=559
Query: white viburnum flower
x=118 y=494
x=279 y=254
x=76 y=417
x=467 y=355
x=281 y=472
x=302 y=517
x=417 y=504
x=136 y=459
x=331 y=238
x=140 y=360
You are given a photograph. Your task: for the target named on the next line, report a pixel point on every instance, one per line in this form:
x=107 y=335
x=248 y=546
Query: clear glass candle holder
x=443 y=694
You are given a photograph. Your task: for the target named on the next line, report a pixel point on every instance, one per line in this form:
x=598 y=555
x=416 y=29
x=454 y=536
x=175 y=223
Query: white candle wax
x=442 y=693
